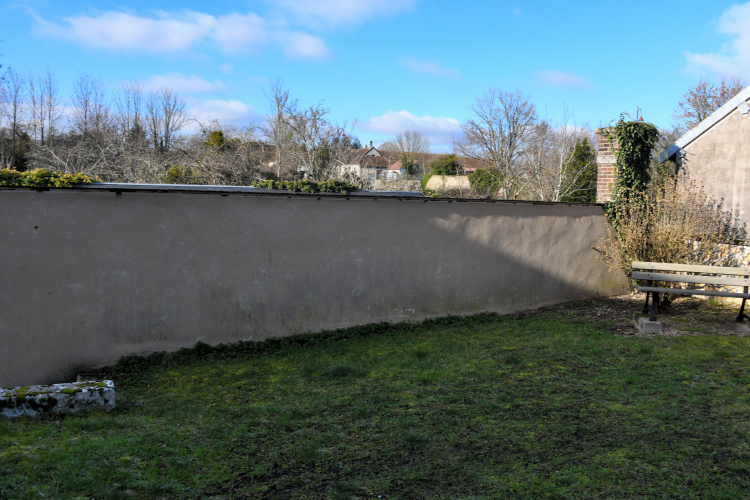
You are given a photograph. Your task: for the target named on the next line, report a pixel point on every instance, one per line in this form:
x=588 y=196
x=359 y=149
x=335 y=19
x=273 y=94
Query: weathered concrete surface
x=449 y=182
x=645 y=326
x=39 y=400
x=741 y=328
x=89 y=276
x=397 y=185
x=720 y=160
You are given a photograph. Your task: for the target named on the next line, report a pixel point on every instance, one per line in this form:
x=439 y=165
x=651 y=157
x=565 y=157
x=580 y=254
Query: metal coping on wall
x=118 y=188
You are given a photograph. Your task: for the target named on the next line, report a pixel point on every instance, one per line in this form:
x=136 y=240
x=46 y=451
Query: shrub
x=424 y=180
x=307 y=186
x=676 y=222
x=181 y=175
x=484 y=182
x=41 y=178
x=445 y=165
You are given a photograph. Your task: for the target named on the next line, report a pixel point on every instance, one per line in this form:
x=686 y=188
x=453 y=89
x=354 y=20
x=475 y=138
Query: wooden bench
x=693 y=275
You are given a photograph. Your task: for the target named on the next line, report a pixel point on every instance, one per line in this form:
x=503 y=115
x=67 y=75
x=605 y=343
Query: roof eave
x=712 y=119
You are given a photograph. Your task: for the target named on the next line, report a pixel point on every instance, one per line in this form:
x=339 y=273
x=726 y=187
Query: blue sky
x=390 y=64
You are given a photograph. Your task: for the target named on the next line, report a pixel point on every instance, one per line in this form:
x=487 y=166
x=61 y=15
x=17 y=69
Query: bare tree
x=90 y=115
x=411 y=144
x=700 y=101
x=499 y=134
x=12 y=97
x=165 y=118
x=562 y=160
x=276 y=129
x=43 y=93
x=305 y=138
x=222 y=154
x=129 y=107
x=313 y=136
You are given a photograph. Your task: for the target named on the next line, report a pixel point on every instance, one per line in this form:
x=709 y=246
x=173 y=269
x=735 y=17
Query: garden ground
x=562 y=402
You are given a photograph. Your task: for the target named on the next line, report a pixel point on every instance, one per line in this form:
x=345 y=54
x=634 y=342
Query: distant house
x=368 y=162
x=716 y=153
x=375 y=164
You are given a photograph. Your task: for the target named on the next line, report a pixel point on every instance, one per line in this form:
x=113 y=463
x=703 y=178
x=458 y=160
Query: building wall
x=720 y=160
x=91 y=275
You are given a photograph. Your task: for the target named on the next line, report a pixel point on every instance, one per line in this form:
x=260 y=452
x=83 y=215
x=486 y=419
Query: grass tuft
x=341 y=370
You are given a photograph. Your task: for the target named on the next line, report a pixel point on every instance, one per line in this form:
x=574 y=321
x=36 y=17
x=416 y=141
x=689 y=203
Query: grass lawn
x=534 y=406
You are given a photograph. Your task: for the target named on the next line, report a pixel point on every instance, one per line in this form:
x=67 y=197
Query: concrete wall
x=447 y=182
x=720 y=160
x=91 y=275
x=397 y=185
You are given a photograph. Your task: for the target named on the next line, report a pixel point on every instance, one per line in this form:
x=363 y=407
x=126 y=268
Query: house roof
x=468 y=164
x=368 y=157
x=710 y=121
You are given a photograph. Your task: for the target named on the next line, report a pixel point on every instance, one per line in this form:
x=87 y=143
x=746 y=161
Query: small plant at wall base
x=41 y=178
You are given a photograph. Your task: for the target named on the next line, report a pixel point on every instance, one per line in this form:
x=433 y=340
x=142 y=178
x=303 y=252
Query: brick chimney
x=606 y=175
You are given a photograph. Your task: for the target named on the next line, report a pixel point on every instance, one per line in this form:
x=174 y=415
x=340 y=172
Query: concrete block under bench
x=738 y=327
x=644 y=325
x=38 y=400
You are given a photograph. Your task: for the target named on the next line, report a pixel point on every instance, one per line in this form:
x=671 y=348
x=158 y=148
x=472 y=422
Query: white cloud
x=225 y=111
x=182 y=84
x=298 y=45
x=173 y=33
x=438 y=129
x=322 y=14
x=554 y=78
x=227 y=68
x=434 y=68
x=734 y=58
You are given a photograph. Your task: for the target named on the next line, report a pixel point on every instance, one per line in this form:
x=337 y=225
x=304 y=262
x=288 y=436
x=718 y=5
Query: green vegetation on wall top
x=41 y=178
x=329 y=186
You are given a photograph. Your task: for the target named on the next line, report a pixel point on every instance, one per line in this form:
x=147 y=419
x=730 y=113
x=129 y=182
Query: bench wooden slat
x=689 y=268
x=688 y=278
x=712 y=293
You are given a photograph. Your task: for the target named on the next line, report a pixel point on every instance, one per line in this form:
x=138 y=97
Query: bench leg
x=742 y=316
x=654 y=300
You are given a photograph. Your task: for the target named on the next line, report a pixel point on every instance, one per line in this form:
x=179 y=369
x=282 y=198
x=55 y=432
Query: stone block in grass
x=38 y=400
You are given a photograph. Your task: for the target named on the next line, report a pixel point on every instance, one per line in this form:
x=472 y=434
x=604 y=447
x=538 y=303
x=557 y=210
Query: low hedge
x=306 y=186
x=41 y=178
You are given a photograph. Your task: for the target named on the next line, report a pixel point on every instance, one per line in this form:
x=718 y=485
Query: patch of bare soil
x=687 y=315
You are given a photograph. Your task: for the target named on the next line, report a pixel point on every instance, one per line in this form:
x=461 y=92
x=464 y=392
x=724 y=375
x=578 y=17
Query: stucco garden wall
x=90 y=275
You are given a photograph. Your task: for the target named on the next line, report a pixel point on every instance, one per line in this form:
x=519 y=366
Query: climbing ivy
x=636 y=140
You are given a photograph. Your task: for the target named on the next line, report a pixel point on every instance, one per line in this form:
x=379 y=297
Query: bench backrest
x=707 y=275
